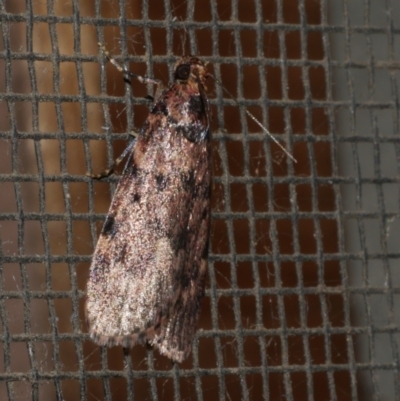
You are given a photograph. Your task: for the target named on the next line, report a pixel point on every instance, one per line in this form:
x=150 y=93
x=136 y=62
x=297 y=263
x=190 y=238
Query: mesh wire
x=303 y=293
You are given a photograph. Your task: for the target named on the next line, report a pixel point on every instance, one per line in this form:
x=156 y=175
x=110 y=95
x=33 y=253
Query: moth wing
x=147 y=274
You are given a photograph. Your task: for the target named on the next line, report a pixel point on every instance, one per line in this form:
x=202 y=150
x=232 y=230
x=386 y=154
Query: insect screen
x=303 y=290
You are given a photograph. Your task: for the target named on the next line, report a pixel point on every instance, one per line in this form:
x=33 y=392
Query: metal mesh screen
x=303 y=291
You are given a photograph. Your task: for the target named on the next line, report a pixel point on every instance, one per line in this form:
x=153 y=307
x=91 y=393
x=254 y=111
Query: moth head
x=190 y=68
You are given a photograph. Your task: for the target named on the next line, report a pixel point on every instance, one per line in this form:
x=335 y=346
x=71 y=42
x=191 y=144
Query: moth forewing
x=147 y=275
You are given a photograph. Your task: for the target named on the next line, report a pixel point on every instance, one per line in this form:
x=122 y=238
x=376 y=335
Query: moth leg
x=128 y=74
x=117 y=162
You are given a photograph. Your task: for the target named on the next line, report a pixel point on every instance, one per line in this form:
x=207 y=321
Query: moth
x=147 y=275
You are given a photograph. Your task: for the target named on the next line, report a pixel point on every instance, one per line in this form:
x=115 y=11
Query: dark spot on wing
x=122 y=254
x=109 y=228
x=185 y=280
x=188 y=180
x=204 y=213
x=159 y=225
x=196 y=105
x=181 y=241
x=194 y=132
x=100 y=265
x=172 y=121
x=136 y=197
x=161 y=182
x=160 y=108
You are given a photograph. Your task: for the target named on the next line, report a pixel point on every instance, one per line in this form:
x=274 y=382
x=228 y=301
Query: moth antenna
x=253 y=118
x=184 y=36
x=128 y=74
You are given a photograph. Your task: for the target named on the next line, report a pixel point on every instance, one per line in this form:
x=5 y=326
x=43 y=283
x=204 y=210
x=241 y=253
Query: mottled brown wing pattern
x=147 y=275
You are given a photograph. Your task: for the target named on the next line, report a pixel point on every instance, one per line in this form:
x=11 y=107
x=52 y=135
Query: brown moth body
x=147 y=275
